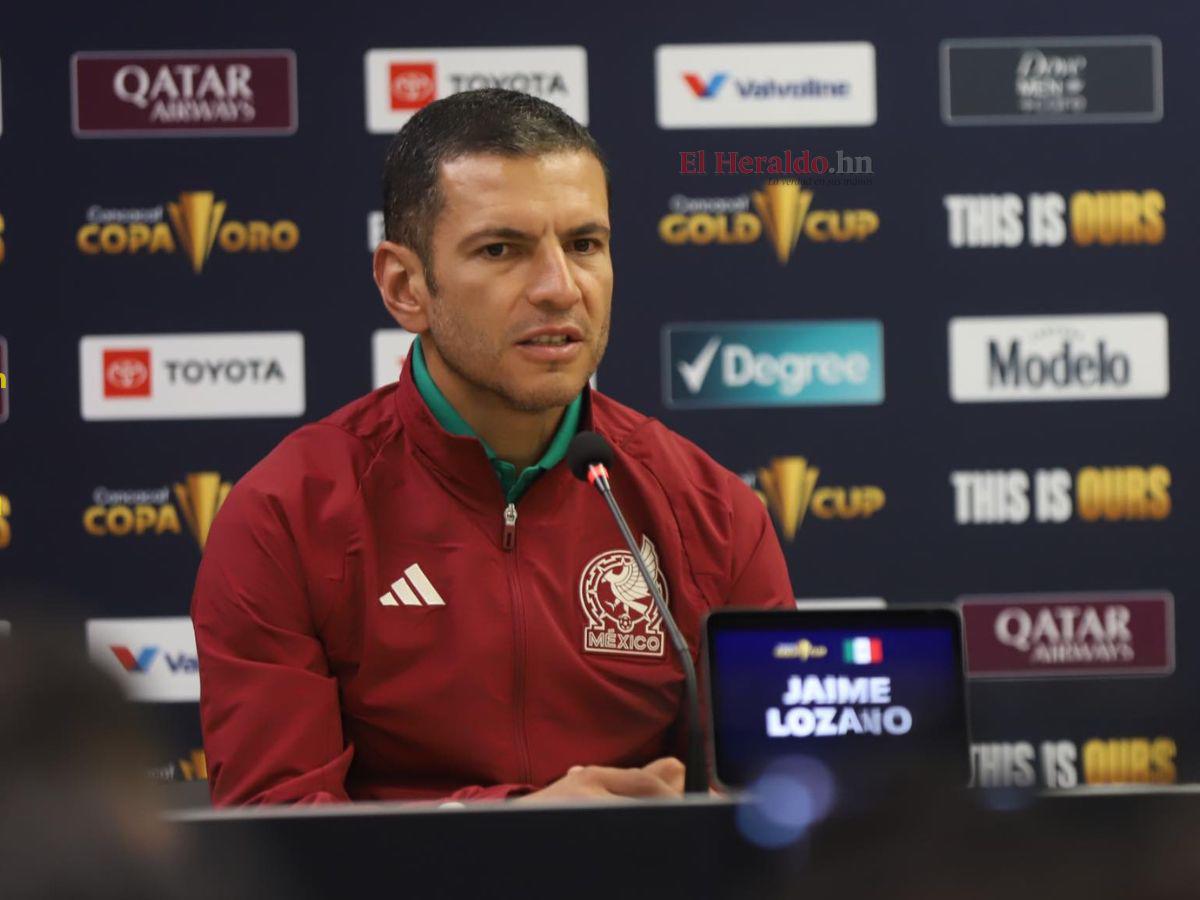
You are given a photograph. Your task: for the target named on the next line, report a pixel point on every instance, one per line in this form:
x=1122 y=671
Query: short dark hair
x=489 y=120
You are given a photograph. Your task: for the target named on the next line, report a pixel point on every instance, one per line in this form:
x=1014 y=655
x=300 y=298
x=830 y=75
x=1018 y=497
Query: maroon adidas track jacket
x=372 y=625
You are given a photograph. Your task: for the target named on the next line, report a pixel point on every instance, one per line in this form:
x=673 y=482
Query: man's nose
x=552 y=283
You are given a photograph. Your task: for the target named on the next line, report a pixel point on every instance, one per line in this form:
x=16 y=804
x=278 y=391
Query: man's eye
x=585 y=245
x=495 y=251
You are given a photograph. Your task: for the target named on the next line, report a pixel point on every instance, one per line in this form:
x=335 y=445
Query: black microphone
x=588 y=456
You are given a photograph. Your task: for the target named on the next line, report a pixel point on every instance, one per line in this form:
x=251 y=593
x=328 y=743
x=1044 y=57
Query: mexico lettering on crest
x=621 y=615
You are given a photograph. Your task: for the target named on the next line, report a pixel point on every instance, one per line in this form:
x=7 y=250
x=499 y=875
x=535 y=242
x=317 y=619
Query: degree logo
x=134 y=664
x=702 y=90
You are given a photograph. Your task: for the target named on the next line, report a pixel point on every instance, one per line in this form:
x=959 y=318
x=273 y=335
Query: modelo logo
x=191 y=376
x=1012 y=367
x=210 y=93
x=1102 y=357
x=773 y=363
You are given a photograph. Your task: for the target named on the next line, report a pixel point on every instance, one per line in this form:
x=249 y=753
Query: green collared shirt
x=514 y=485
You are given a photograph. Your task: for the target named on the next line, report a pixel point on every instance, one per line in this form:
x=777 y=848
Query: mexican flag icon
x=862 y=651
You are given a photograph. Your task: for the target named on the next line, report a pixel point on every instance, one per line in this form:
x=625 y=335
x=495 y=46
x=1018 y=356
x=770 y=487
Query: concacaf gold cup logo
x=5 y=527
x=789 y=487
x=156 y=511
x=783 y=210
x=195 y=225
x=193 y=767
x=1 y=238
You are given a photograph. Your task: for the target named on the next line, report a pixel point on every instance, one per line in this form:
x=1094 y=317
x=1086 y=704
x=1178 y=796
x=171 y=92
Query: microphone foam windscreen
x=587 y=448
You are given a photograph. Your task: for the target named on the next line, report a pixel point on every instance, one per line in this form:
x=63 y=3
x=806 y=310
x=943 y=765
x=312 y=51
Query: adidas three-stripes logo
x=408 y=596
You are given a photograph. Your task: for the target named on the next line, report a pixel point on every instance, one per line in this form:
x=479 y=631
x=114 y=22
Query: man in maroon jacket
x=414 y=598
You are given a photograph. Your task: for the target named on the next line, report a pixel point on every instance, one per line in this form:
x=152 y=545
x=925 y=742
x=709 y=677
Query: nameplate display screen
x=872 y=694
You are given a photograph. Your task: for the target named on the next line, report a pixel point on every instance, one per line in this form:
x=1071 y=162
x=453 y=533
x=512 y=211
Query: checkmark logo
x=694 y=372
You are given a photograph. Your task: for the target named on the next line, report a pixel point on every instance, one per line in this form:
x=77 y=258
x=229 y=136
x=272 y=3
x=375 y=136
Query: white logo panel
x=765 y=85
x=389 y=350
x=191 y=376
x=402 y=81
x=151 y=659
x=1091 y=357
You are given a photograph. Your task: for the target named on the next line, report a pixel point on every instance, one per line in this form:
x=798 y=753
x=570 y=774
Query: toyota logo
x=412 y=87
x=127 y=374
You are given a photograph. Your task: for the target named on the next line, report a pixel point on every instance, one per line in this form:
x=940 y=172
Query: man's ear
x=401 y=281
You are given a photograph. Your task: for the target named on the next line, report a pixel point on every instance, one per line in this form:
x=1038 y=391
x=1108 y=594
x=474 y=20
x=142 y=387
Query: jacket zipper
x=508 y=540
x=509 y=536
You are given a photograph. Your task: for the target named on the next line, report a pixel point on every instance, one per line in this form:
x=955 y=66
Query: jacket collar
x=462 y=460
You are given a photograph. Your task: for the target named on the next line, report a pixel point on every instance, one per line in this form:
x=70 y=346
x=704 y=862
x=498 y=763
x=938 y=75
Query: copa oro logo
x=193 y=225
x=2 y=251
x=788 y=487
x=783 y=210
x=157 y=511
x=5 y=527
x=194 y=767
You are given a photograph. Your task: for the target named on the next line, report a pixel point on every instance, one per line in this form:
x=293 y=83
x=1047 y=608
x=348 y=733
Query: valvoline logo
x=702 y=90
x=151 y=659
x=140 y=664
x=131 y=663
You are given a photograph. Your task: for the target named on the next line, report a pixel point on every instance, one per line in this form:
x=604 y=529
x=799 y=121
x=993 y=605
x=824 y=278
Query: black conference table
x=1093 y=843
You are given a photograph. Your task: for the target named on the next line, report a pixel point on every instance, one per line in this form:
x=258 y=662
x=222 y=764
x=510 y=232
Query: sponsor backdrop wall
x=925 y=278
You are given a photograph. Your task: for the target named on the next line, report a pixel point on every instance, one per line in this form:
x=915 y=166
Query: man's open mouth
x=550 y=340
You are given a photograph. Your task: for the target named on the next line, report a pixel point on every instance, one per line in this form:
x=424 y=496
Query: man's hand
x=661 y=778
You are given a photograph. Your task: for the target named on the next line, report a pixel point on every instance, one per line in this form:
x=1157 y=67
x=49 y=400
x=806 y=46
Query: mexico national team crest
x=621 y=615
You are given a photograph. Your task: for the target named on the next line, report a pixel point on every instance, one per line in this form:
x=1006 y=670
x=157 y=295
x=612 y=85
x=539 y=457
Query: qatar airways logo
x=191 y=376
x=210 y=93
x=1065 y=634
x=770 y=85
